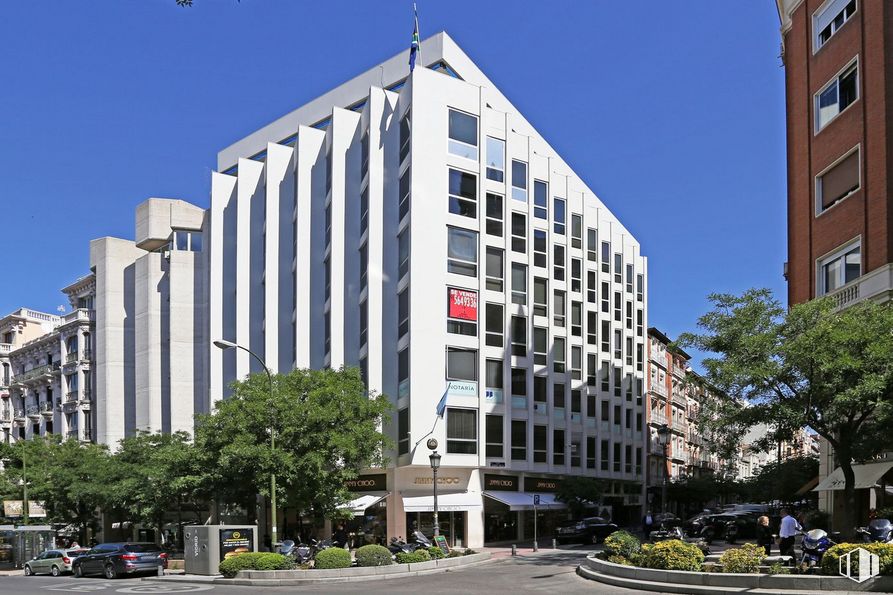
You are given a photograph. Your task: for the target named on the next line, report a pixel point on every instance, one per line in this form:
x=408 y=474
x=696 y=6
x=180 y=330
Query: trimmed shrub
x=413 y=557
x=436 y=553
x=469 y=552
x=622 y=543
x=744 y=559
x=673 y=554
x=831 y=564
x=374 y=555
x=455 y=554
x=619 y=560
x=253 y=561
x=779 y=568
x=334 y=557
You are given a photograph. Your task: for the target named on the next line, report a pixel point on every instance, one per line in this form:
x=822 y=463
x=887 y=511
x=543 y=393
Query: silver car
x=53 y=562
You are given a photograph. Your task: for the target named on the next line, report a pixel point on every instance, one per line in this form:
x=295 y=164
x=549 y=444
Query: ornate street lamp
x=663 y=438
x=435 y=464
x=222 y=344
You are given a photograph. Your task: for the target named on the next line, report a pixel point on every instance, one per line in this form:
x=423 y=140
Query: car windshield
x=142 y=547
x=596 y=520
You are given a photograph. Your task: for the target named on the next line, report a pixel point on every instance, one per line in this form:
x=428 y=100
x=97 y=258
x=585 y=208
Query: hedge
x=374 y=555
x=436 y=553
x=672 y=554
x=413 y=557
x=831 y=564
x=254 y=561
x=744 y=559
x=622 y=543
x=334 y=557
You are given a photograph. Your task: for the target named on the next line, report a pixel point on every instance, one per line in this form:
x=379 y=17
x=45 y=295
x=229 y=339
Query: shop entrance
x=500 y=522
x=452 y=525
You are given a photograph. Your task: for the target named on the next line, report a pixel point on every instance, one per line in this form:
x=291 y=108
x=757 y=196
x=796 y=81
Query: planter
x=648 y=579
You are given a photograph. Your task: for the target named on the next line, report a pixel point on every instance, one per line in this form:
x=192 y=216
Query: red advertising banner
x=463 y=304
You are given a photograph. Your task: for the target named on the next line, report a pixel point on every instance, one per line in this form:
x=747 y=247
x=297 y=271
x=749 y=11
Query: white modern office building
x=418 y=227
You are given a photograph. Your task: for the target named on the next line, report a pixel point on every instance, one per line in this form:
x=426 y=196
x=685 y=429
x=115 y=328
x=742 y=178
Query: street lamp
x=663 y=438
x=224 y=345
x=435 y=464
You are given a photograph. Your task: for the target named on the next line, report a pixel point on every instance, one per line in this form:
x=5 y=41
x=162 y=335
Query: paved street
x=549 y=572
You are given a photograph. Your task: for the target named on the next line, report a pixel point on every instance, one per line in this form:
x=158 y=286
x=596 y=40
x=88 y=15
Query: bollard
x=536 y=547
x=554 y=544
x=160 y=570
x=514 y=550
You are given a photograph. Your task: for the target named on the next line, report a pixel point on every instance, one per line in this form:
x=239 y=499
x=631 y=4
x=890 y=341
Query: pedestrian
x=786 y=532
x=647 y=523
x=340 y=536
x=764 y=534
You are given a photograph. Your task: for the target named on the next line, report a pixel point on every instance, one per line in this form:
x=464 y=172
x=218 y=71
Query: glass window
x=403 y=253
x=591 y=287
x=558 y=262
x=558 y=447
x=519 y=283
x=403 y=365
x=592 y=245
x=463 y=193
x=540 y=243
x=606 y=257
x=404 y=194
x=591 y=328
x=840 y=268
x=591 y=370
x=462 y=252
x=576 y=362
x=364 y=155
x=403 y=431
x=495 y=159
x=540 y=293
x=461 y=364
x=576 y=231
x=558 y=308
x=558 y=214
x=494 y=436
x=519 y=336
x=838 y=182
x=558 y=357
x=577 y=319
x=830 y=19
x=540 y=199
x=540 y=346
x=494 y=214
x=494 y=324
x=364 y=321
x=494 y=268
x=540 y=434
x=494 y=373
x=618 y=267
x=519 y=440
x=519 y=382
x=364 y=264
x=640 y=288
x=519 y=180
x=463 y=135
x=837 y=96
x=405 y=129
x=576 y=275
x=181 y=240
x=519 y=232
x=461 y=431
x=403 y=313
x=364 y=210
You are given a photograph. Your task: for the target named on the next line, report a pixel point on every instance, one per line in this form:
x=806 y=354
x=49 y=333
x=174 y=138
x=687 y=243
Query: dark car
x=716 y=526
x=115 y=559
x=589 y=530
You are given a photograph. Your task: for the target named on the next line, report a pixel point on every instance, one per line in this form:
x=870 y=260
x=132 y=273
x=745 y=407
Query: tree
x=812 y=365
x=579 y=493
x=327 y=429
x=782 y=480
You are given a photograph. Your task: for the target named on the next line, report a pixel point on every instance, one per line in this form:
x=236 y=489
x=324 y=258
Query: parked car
x=715 y=526
x=53 y=562
x=115 y=559
x=589 y=530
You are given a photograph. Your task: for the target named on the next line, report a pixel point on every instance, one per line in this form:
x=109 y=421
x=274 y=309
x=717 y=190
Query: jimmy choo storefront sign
x=441 y=481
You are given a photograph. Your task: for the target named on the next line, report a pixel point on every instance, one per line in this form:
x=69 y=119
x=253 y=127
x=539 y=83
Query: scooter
x=300 y=553
x=877 y=531
x=815 y=543
x=397 y=545
x=421 y=542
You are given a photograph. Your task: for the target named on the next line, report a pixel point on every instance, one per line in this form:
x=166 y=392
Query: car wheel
x=55 y=570
x=78 y=572
x=28 y=571
x=110 y=571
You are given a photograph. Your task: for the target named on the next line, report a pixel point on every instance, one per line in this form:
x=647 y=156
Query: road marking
x=165 y=589
x=78 y=587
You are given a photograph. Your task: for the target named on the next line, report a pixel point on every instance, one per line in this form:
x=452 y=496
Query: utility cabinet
x=205 y=546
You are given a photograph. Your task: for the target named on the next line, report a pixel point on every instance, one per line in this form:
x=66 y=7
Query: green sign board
x=440 y=541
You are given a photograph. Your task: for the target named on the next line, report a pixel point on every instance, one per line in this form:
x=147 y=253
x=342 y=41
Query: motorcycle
x=731 y=532
x=814 y=545
x=421 y=542
x=665 y=533
x=397 y=545
x=877 y=531
x=300 y=553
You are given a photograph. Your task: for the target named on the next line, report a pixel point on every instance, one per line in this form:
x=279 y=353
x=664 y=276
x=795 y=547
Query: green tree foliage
x=811 y=365
x=578 y=492
x=326 y=427
x=781 y=480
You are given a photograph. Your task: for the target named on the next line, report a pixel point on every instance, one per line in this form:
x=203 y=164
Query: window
x=540 y=299
x=558 y=396
x=494 y=325
x=519 y=180
x=462 y=431
x=606 y=257
x=590 y=453
x=463 y=135
x=494 y=436
x=617 y=419
x=629 y=278
x=494 y=269
x=405 y=130
x=540 y=241
x=576 y=401
x=364 y=265
x=403 y=431
x=494 y=214
x=403 y=313
x=577 y=319
x=558 y=359
x=606 y=411
x=591 y=370
x=187 y=241
x=558 y=262
x=618 y=306
x=519 y=336
x=606 y=336
x=461 y=364
x=558 y=308
x=606 y=297
x=618 y=345
x=640 y=349
x=837 y=96
x=539 y=443
x=462 y=251
x=558 y=208
x=495 y=159
x=629 y=315
x=328 y=216
x=462 y=306
x=402 y=370
x=591 y=328
x=840 y=268
x=576 y=275
x=540 y=389
x=640 y=288
x=827 y=22
x=519 y=232
x=629 y=351
x=616 y=462
x=404 y=194
x=364 y=210
x=540 y=199
x=519 y=284
x=493 y=373
x=519 y=440
x=540 y=346
x=558 y=447
x=364 y=155
x=590 y=405
x=837 y=182
x=618 y=386
x=403 y=253
x=576 y=231
x=628 y=456
x=618 y=268
x=576 y=362
x=592 y=245
x=463 y=194
x=519 y=383
x=605 y=447
x=591 y=286
x=605 y=376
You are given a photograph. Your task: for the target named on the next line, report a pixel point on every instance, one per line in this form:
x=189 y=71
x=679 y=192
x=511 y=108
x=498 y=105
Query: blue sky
x=673 y=112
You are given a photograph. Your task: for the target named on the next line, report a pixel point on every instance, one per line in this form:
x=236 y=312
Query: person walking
x=786 y=532
x=764 y=534
x=647 y=523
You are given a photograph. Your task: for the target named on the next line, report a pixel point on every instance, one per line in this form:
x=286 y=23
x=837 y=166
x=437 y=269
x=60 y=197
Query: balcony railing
x=20 y=415
x=658 y=387
x=85 y=394
x=88 y=435
x=79 y=314
x=38 y=372
x=71 y=396
x=72 y=433
x=657 y=416
x=5 y=347
x=71 y=357
x=33 y=411
x=88 y=355
x=5 y=415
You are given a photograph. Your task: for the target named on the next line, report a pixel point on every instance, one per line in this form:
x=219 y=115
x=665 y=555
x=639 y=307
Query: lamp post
x=222 y=344
x=663 y=437
x=435 y=464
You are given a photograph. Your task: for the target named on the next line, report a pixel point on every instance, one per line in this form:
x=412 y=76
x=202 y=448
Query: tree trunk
x=848 y=520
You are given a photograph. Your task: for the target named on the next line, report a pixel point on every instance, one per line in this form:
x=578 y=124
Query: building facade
x=419 y=228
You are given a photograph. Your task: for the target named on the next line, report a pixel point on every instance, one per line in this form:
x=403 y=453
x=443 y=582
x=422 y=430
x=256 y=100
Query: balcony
x=33 y=412
x=72 y=396
x=44 y=372
x=657 y=416
x=5 y=348
x=46 y=408
x=71 y=357
x=87 y=356
x=81 y=314
x=6 y=415
x=85 y=395
x=72 y=433
x=876 y=285
x=658 y=388
x=19 y=415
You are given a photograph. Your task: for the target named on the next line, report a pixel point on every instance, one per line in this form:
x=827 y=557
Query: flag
x=441 y=405
x=415 y=46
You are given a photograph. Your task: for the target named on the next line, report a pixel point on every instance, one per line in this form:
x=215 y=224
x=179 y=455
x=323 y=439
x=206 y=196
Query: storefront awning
x=359 y=504
x=867 y=476
x=524 y=500
x=445 y=502
x=808 y=486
